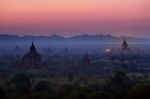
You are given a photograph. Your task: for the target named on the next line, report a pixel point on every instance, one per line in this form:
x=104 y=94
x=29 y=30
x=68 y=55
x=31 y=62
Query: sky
x=75 y=17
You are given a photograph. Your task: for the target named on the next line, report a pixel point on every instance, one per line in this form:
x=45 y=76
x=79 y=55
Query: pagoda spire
x=32 y=48
x=124 y=44
x=86 y=58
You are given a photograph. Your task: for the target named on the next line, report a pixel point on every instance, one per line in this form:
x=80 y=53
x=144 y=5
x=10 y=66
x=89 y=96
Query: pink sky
x=71 y=17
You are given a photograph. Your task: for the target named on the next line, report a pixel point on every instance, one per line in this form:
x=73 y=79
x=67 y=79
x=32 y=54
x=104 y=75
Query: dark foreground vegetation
x=74 y=74
x=118 y=86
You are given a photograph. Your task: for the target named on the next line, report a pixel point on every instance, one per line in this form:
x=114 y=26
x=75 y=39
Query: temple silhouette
x=86 y=59
x=32 y=59
x=124 y=45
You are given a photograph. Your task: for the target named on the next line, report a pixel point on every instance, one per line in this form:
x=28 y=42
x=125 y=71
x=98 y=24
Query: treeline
x=118 y=86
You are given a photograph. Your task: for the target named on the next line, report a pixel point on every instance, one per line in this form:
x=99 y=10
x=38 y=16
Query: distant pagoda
x=32 y=59
x=86 y=59
x=124 y=45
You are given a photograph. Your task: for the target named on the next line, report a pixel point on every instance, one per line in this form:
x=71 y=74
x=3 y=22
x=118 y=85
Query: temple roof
x=86 y=58
x=32 y=48
x=32 y=56
x=125 y=44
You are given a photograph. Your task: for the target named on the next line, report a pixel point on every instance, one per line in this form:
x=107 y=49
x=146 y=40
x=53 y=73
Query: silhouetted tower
x=32 y=48
x=125 y=44
x=86 y=59
x=32 y=59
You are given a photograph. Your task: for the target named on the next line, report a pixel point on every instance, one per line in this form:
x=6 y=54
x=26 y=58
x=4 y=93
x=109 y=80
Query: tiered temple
x=32 y=59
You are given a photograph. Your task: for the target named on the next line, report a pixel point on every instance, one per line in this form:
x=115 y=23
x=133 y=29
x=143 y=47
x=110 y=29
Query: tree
x=76 y=95
x=22 y=82
x=2 y=94
x=119 y=78
x=70 y=76
x=140 y=91
x=43 y=86
x=118 y=85
x=98 y=95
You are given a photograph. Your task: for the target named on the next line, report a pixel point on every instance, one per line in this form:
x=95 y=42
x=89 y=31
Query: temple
x=32 y=59
x=124 y=45
x=86 y=59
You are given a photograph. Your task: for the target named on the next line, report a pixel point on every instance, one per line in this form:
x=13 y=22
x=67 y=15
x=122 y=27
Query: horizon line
x=74 y=35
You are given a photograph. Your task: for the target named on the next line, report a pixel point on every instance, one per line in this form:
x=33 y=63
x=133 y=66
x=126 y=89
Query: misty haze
x=74 y=49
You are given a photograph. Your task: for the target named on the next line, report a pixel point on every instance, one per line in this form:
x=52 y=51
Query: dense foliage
x=118 y=86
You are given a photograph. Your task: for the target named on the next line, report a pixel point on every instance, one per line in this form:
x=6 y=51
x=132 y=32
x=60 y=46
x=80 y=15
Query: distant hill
x=80 y=38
